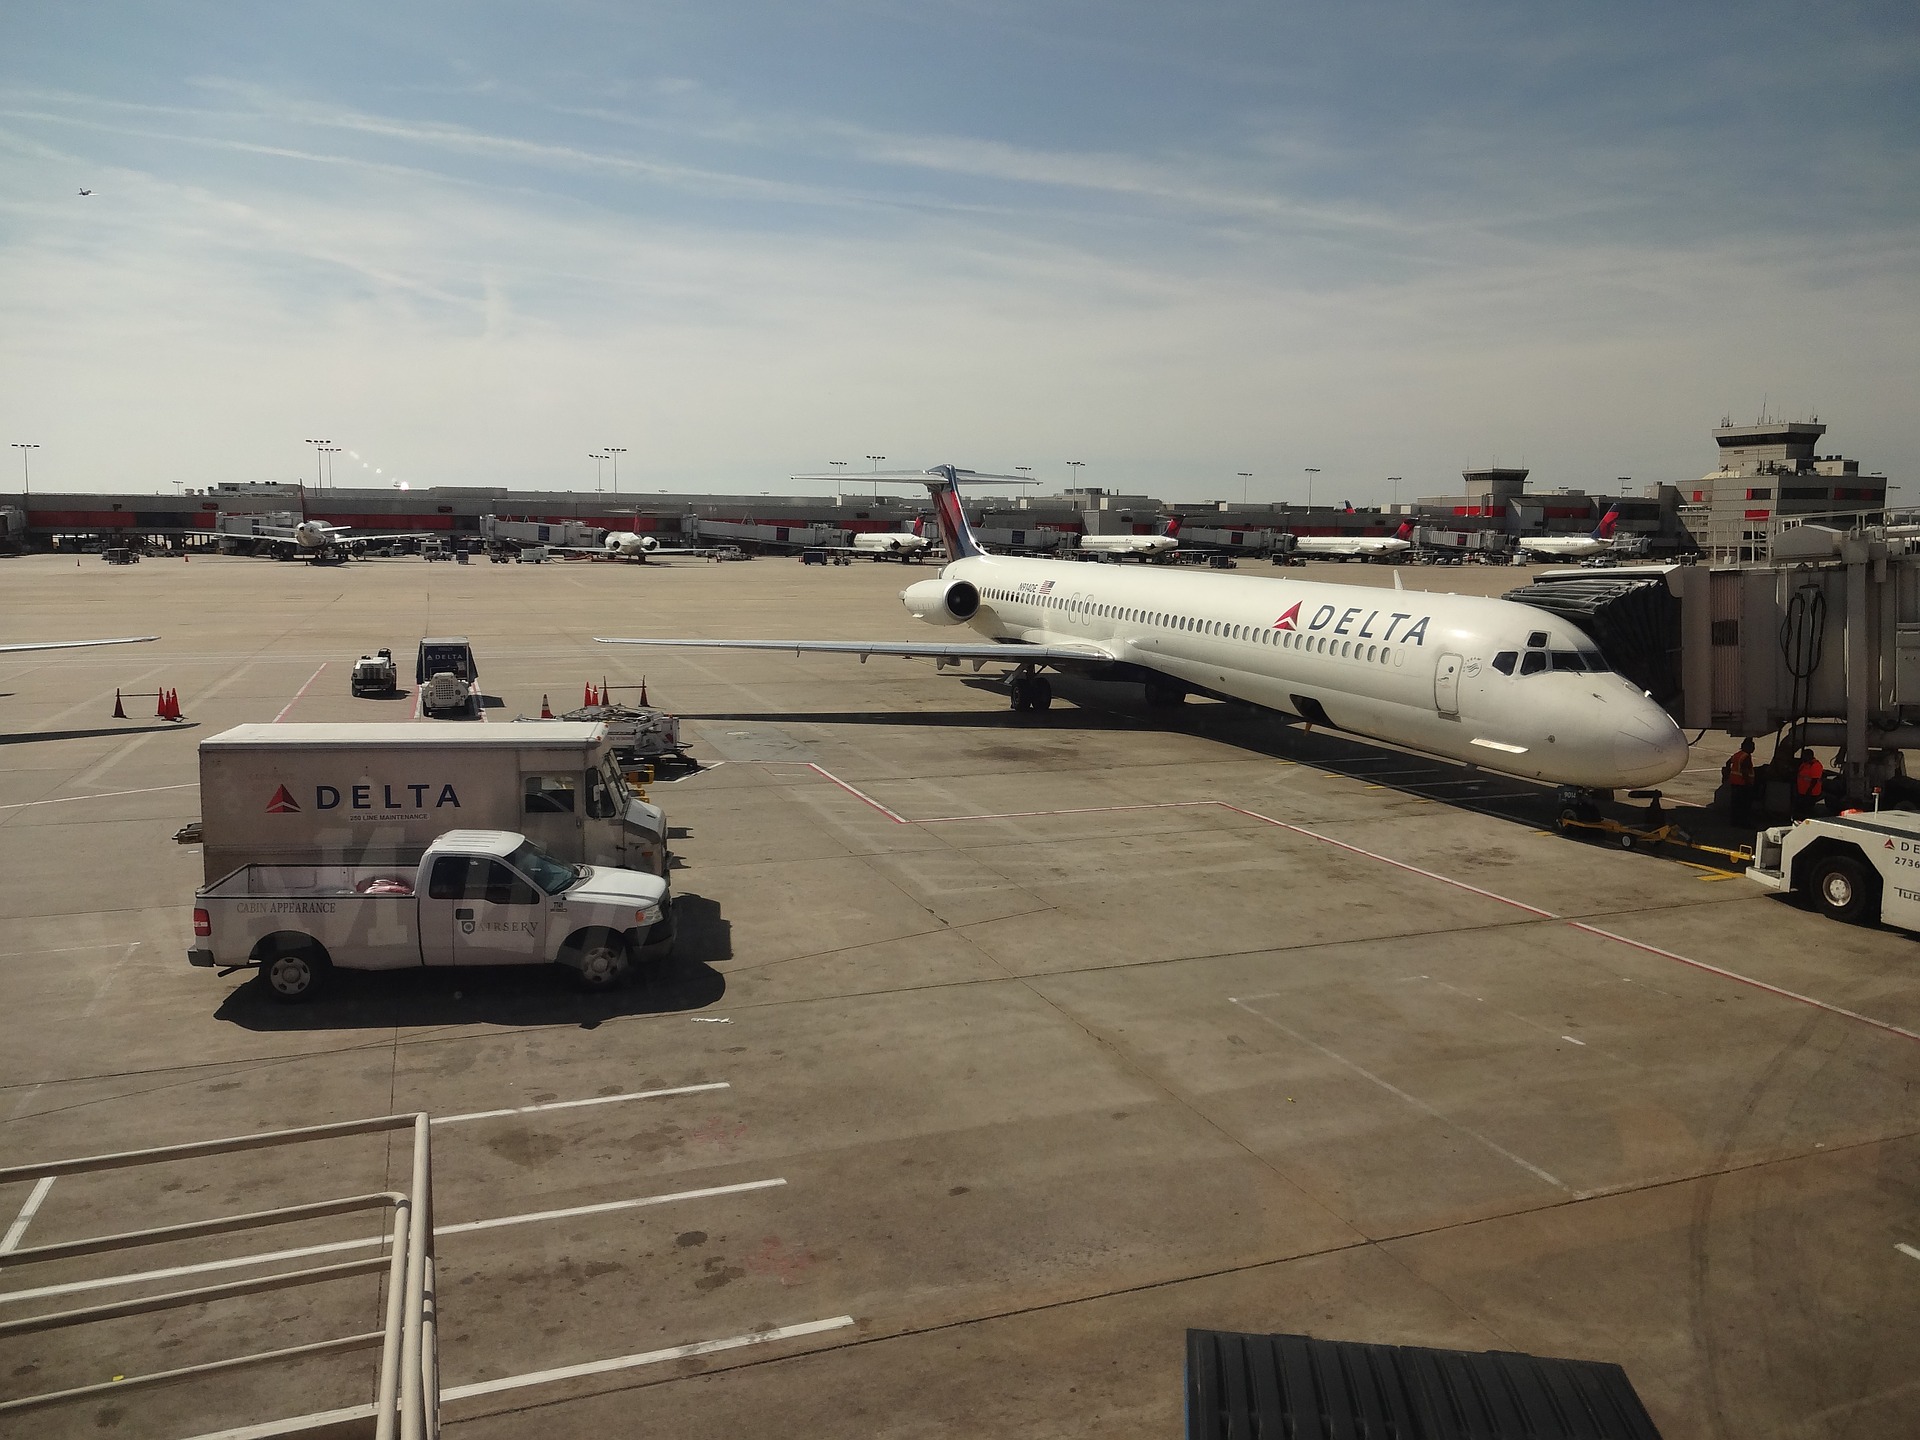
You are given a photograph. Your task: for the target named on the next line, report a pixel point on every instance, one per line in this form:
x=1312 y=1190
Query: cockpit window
x=1596 y=662
x=1567 y=660
x=1534 y=663
x=1503 y=662
x=1536 y=640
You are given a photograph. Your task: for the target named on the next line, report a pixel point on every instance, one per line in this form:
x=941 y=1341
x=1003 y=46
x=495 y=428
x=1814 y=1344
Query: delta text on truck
x=477 y=897
x=381 y=793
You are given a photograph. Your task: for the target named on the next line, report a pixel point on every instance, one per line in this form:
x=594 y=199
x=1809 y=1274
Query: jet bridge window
x=549 y=794
x=1504 y=661
x=1534 y=663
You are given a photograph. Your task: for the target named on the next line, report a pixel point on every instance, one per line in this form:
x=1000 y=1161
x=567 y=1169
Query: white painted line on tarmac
x=237 y=1262
x=298 y=693
x=580 y=1104
x=103 y=795
x=1908 y=1251
x=1388 y=860
x=648 y=1357
x=1571 y=1041
x=1890 y=1028
x=17 y=1231
x=61 y=950
x=1395 y=1090
x=897 y=819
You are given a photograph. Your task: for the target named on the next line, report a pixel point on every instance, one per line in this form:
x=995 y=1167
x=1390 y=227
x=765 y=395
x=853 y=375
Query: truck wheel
x=292 y=973
x=601 y=960
x=1844 y=890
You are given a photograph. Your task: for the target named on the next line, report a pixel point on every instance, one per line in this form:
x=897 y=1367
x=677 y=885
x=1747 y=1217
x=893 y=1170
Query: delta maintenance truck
x=380 y=794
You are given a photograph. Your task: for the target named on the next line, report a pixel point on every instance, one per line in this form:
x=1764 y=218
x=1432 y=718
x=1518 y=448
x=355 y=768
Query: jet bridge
x=1820 y=645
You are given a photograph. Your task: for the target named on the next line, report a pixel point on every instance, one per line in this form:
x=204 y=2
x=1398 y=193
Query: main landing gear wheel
x=1032 y=692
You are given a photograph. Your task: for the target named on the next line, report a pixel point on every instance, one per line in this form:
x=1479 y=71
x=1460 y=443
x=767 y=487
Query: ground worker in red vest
x=1809 y=781
x=1737 y=773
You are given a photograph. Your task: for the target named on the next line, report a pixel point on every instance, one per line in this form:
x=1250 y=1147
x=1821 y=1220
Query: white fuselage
x=314 y=534
x=1566 y=547
x=1360 y=547
x=1144 y=545
x=1407 y=667
x=891 y=542
x=625 y=542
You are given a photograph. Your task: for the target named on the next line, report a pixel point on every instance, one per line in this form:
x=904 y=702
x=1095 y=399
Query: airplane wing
x=75 y=644
x=980 y=652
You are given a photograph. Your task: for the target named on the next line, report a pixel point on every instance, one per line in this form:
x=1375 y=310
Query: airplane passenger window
x=1536 y=639
x=1372 y=650
x=1503 y=662
x=1535 y=662
x=1567 y=660
x=1346 y=648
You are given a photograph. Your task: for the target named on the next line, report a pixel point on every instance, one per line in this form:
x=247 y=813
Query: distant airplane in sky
x=86 y=192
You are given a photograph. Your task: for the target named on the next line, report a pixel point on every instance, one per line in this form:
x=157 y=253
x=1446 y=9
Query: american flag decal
x=1046 y=587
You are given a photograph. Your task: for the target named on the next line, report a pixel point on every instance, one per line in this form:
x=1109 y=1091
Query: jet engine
x=941 y=602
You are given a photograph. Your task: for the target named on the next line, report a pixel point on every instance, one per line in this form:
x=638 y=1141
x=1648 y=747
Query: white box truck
x=380 y=794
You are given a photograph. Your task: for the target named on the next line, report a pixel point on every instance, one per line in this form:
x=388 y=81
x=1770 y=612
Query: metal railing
x=407 y=1402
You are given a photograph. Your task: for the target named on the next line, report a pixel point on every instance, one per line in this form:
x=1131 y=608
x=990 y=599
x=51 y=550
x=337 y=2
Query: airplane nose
x=1649 y=747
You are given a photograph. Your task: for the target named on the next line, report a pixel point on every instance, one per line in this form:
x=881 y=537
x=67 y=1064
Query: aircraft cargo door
x=1446 y=685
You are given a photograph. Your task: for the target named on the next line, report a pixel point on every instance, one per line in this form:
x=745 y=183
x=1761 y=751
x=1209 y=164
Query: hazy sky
x=473 y=242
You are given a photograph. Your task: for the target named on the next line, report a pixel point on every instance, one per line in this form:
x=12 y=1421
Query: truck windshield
x=548 y=873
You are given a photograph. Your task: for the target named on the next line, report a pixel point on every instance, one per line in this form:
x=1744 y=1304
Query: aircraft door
x=1446 y=685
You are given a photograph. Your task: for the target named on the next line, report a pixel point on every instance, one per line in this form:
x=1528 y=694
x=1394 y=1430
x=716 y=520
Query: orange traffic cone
x=588 y=697
x=643 y=692
x=160 y=703
x=546 y=710
x=173 y=705
x=119 y=710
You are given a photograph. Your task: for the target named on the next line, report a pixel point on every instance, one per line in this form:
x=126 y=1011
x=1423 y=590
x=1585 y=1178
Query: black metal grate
x=1293 y=1387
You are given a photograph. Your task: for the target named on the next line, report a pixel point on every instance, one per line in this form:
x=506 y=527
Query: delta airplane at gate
x=1492 y=683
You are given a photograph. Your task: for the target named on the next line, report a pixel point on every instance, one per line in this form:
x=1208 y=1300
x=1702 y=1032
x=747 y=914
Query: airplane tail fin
x=943 y=483
x=919 y=525
x=1604 y=530
x=1405 y=532
x=1172 y=532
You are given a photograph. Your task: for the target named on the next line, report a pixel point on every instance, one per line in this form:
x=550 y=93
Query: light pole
x=329 y=451
x=616 y=451
x=1076 y=466
x=599 y=469
x=876 y=459
x=318 y=474
x=1394 y=481
x=26 y=479
x=1246 y=477
x=1312 y=470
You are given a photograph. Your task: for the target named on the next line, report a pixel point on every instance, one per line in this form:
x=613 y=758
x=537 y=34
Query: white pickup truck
x=478 y=897
x=1861 y=866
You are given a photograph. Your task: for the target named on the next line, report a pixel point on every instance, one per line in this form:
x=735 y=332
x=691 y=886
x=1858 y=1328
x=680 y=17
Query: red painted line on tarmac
x=298 y=693
x=861 y=794
x=1082 y=810
x=1748 y=980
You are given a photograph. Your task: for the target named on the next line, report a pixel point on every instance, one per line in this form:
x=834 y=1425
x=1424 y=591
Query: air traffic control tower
x=1769 y=471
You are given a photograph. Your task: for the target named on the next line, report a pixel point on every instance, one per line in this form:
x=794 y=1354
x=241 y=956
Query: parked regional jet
x=1575 y=547
x=74 y=644
x=317 y=540
x=1356 y=547
x=1139 y=547
x=909 y=546
x=627 y=545
x=1493 y=683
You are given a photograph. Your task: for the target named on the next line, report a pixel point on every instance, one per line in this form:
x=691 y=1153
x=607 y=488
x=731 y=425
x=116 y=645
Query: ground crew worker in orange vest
x=1809 y=779
x=1738 y=774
